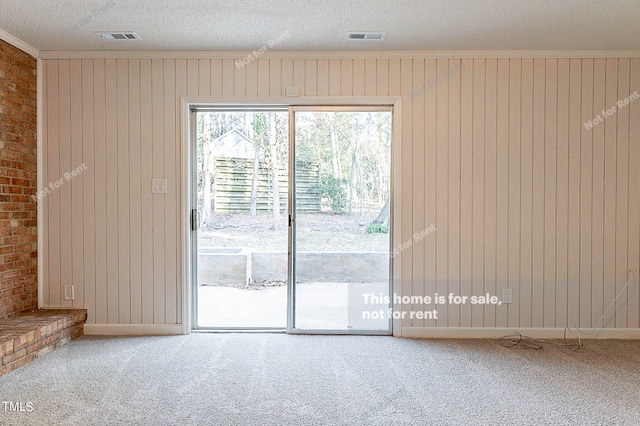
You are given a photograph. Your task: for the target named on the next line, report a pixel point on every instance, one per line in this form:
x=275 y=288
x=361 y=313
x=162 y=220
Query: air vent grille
x=120 y=35
x=366 y=35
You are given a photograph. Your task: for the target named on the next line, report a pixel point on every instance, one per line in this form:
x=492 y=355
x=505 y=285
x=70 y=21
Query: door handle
x=194 y=219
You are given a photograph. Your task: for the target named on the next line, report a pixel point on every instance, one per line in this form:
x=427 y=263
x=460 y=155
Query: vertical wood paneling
x=562 y=196
x=515 y=230
x=418 y=162
x=574 y=224
x=496 y=155
x=216 y=77
x=43 y=205
x=252 y=78
x=204 y=77
x=111 y=189
x=622 y=189
x=239 y=81
x=52 y=290
x=610 y=189
x=371 y=79
x=359 y=77
x=502 y=187
x=490 y=188
x=76 y=184
x=146 y=174
x=335 y=74
x=180 y=87
x=264 y=77
x=430 y=178
x=394 y=83
x=537 y=279
x=633 y=313
x=466 y=188
x=193 y=72
x=158 y=171
x=287 y=74
x=323 y=77
x=346 y=76
x=479 y=81
x=526 y=198
x=442 y=190
x=311 y=77
x=382 y=77
x=406 y=259
x=275 y=78
x=99 y=72
x=123 y=230
x=586 y=194
x=599 y=257
x=89 y=186
x=171 y=171
x=135 y=192
x=64 y=191
x=550 y=184
x=228 y=75
x=453 y=255
x=299 y=69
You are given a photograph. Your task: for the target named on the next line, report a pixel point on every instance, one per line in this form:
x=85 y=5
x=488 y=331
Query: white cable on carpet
x=521 y=341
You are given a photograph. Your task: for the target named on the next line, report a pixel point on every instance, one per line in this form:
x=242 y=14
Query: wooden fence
x=233 y=179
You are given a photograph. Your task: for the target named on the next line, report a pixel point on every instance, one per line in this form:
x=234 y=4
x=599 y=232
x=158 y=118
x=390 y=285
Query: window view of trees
x=342 y=164
x=353 y=150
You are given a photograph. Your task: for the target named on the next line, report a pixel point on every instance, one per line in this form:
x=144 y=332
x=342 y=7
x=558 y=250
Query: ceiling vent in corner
x=366 y=35
x=126 y=35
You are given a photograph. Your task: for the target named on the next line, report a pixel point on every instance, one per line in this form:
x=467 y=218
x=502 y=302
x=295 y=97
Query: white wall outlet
x=158 y=186
x=69 y=293
x=507 y=295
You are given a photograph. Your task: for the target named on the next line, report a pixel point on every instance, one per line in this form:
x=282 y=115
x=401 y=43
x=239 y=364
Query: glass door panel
x=240 y=191
x=340 y=227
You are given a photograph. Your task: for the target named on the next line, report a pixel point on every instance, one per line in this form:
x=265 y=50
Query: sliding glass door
x=339 y=231
x=291 y=219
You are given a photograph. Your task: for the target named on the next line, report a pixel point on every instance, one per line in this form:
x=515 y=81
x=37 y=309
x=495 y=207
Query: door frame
x=186 y=153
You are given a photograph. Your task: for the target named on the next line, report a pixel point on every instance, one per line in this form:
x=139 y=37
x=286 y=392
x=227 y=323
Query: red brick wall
x=18 y=166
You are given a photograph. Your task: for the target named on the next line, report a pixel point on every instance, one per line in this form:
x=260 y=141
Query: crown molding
x=323 y=54
x=16 y=42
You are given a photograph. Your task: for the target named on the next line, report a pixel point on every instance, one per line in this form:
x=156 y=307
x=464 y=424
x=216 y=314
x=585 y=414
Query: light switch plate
x=158 y=186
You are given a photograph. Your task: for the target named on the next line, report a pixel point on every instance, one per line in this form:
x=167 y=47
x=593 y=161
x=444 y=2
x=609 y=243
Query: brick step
x=28 y=335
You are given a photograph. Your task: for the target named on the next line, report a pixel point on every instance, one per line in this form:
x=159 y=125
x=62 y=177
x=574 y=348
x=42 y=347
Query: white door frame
x=184 y=218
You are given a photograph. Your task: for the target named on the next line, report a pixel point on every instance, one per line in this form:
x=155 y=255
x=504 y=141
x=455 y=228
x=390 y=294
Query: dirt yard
x=326 y=232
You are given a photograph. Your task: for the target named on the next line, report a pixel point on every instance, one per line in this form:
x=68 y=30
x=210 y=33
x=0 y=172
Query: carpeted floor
x=277 y=379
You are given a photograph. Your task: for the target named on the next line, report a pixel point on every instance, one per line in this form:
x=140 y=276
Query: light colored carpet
x=277 y=379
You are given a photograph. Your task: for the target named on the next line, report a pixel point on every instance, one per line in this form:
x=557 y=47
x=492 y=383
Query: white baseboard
x=494 y=333
x=132 y=329
x=410 y=332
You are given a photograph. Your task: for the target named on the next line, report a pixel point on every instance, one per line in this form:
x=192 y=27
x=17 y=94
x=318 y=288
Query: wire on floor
x=518 y=340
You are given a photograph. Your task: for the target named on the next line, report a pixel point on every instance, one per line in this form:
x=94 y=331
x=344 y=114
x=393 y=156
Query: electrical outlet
x=69 y=293
x=507 y=295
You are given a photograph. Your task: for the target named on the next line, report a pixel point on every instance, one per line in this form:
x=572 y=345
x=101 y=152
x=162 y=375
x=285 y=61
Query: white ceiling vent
x=366 y=35
x=126 y=35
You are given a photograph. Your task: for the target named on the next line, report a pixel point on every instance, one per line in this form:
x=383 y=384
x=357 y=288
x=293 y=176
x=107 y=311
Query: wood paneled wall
x=495 y=154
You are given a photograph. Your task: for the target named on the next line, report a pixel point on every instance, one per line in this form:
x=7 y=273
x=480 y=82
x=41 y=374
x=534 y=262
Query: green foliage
x=377 y=228
x=335 y=190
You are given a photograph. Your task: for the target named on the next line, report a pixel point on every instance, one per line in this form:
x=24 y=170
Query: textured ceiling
x=323 y=24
